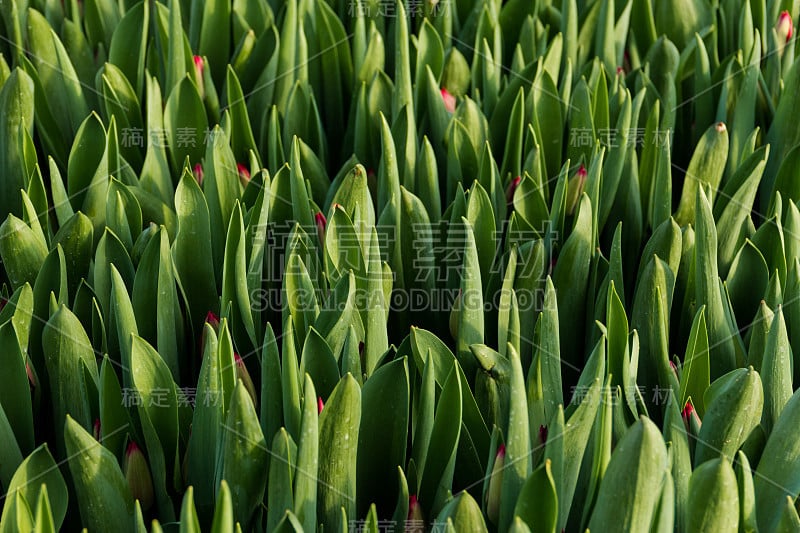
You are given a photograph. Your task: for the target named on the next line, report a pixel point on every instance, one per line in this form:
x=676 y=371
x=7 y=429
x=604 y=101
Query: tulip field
x=393 y=266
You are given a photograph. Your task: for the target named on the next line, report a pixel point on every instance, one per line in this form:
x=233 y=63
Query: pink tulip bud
x=244 y=375
x=320 y=404
x=137 y=472
x=198 y=173
x=512 y=188
x=199 y=67
x=244 y=174
x=96 y=429
x=620 y=71
x=415 y=521
x=785 y=26
x=495 y=485
x=449 y=101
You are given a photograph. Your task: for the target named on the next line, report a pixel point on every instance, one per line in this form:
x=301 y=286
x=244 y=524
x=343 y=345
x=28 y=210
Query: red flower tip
x=512 y=188
x=320 y=220
x=785 y=26
x=501 y=451
x=198 y=62
x=244 y=173
x=412 y=500
x=320 y=404
x=543 y=434
x=360 y=347
x=582 y=172
x=449 y=101
x=688 y=410
x=238 y=359
x=620 y=71
x=132 y=449
x=212 y=319
x=96 y=429
x=198 y=173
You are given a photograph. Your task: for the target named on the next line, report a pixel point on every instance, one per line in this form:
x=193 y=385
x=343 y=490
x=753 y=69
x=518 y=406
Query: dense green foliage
x=394 y=265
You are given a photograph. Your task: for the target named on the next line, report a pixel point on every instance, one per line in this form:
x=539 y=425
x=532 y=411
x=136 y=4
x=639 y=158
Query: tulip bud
x=785 y=27
x=244 y=375
x=512 y=188
x=198 y=173
x=691 y=418
x=574 y=189
x=31 y=376
x=138 y=475
x=543 y=434
x=449 y=101
x=213 y=321
x=322 y=223
x=96 y=429
x=244 y=174
x=320 y=405
x=495 y=485
x=199 y=66
x=415 y=521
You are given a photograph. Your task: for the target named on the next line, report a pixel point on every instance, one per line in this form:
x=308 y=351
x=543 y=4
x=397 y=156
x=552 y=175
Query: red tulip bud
x=320 y=405
x=244 y=174
x=199 y=66
x=575 y=188
x=321 y=223
x=449 y=101
x=198 y=173
x=96 y=429
x=138 y=475
x=512 y=188
x=691 y=418
x=785 y=26
x=415 y=521
x=212 y=320
x=244 y=375
x=495 y=485
x=543 y=434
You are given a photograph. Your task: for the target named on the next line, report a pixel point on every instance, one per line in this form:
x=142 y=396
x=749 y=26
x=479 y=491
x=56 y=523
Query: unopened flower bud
x=244 y=174
x=575 y=188
x=415 y=521
x=198 y=173
x=138 y=475
x=321 y=223
x=96 y=429
x=512 y=188
x=244 y=375
x=199 y=67
x=785 y=26
x=449 y=101
x=320 y=405
x=543 y=434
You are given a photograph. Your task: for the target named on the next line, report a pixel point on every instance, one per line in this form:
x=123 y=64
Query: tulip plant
x=395 y=265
